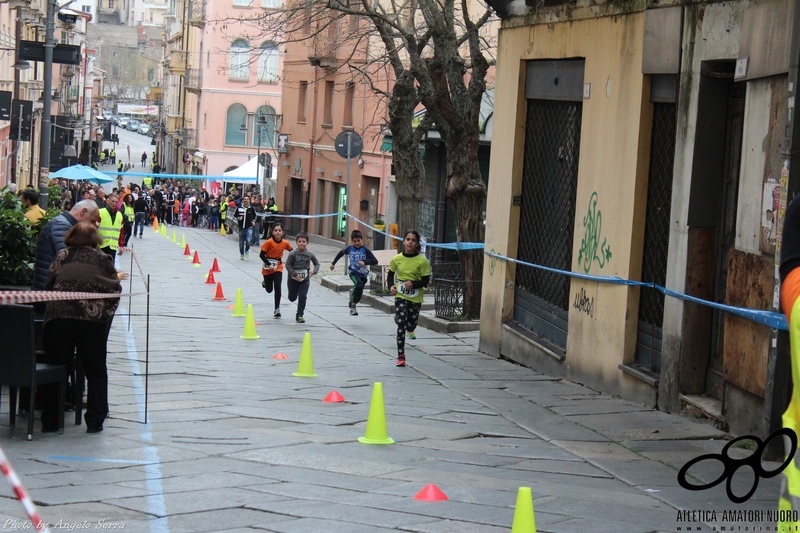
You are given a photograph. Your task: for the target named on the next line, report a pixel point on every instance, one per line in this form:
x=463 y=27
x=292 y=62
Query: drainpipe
x=779 y=371
x=311 y=144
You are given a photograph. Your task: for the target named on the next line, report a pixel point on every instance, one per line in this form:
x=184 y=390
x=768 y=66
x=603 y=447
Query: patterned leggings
x=407 y=314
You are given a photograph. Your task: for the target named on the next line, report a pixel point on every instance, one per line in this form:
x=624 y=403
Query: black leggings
x=407 y=314
x=298 y=290
x=273 y=281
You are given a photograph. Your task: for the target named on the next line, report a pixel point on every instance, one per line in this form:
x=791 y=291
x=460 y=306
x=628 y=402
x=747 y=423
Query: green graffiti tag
x=593 y=222
x=492 y=263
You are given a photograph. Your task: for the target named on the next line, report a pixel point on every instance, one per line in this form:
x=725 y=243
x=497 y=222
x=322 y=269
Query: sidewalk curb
x=386 y=305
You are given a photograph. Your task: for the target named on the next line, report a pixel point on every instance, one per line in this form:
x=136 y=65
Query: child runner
x=412 y=272
x=297 y=267
x=360 y=257
x=271 y=255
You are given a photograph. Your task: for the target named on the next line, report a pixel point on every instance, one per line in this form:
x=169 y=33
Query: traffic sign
x=356 y=144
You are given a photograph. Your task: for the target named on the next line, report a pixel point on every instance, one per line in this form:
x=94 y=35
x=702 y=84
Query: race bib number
x=302 y=273
x=401 y=289
x=271 y=264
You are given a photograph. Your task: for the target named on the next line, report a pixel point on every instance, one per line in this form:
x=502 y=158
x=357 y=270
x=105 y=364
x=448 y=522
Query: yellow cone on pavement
x=524 y=522
x=376 y=422
x=174 y=236
x=183 y=241
x=164 y=230
x=249 y=325
x=238 y=307
x=222 y=230
x=305 y=367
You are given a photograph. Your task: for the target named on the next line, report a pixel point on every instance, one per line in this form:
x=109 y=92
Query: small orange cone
x=196 y=260
x=333 y=397
x=155 y=224
x=187 y=251
x=280 y=356
x=431 y=493
x=215 y=266
x=210 y=279
x=219 y=295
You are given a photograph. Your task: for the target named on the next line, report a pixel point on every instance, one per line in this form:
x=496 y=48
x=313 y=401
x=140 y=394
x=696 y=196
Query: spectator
x=51 y=238
x=33 y=212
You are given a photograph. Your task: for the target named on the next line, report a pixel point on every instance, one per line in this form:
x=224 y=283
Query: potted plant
x=379 y=224
x=17 y=244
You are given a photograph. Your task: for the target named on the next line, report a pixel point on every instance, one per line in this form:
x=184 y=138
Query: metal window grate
x=659 y=200
x=550 y=178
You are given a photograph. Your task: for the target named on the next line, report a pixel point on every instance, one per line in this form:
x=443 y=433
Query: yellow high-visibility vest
x=790 y=490
x=109 y=229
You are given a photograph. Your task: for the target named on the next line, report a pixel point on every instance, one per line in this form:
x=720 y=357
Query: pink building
x=233 y=77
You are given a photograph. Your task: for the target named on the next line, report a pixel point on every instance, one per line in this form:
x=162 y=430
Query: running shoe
x=411 y=335
x=247 y=255
x=401 y=360
x=277 y=313
x=242 y=258
x=300 y=320
x=353 y=311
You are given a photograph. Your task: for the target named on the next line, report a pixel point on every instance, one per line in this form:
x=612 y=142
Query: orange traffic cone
x=282 y=356
x=215 y=266
x=333 y=397
x=155 y=224
x=196 y=260
x=187 y=251
x=219 y=295
x=210 y=279
x=431 y=493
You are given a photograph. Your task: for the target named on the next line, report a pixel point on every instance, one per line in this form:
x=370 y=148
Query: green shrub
x=17 y=243
x=54 y=193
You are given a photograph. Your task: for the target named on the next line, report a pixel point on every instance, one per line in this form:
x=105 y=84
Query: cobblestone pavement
x=234 y=442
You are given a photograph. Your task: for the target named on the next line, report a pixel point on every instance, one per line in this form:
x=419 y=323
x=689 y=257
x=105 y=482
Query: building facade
x=643 y=144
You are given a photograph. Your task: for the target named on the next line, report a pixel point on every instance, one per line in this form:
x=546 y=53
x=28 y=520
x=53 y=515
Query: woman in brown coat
x=80 y=324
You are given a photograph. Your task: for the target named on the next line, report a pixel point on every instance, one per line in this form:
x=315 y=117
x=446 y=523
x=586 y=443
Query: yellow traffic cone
x=222 y=230
x=376 y=423
x=305 y=367
x=238 y=307
x=524 y=522
x=174 y=236
x=183 y=241
x=249 y=325
x=164 y=230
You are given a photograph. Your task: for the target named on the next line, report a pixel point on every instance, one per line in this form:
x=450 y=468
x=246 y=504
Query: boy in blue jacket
x=360 y=258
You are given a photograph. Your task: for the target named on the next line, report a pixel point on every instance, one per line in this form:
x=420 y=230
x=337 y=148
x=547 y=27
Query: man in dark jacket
x=51 y=238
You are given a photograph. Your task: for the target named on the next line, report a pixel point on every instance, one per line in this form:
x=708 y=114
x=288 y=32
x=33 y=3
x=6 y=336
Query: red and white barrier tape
x=29 y=297
x=22 y=495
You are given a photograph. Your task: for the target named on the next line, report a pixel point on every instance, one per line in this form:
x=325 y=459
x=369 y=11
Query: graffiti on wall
x=591 y=250
x=583 y=303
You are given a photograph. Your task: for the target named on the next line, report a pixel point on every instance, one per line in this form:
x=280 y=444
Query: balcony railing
x=193 y=80
x=177 y=61
x=189 y=139
x=197 y=13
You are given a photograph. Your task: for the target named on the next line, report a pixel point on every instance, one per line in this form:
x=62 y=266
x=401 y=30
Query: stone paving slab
x=229 y=426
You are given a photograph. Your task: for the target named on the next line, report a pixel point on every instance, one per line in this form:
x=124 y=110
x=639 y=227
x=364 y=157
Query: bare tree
x=437 y=53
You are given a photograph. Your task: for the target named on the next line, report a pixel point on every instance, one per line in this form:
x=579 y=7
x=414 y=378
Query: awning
x=386 y=145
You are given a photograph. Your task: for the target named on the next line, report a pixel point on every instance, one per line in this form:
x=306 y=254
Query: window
x=115 y=71
x=240 y=60
x=327 y=113
x=243 y=3
x=268 y=63
x=301 y=101
x=270 y=3
x=86 y=9
x=110 y=4
x=233 y=121
x=267 y=129
x=151 y=74
x=349 y=100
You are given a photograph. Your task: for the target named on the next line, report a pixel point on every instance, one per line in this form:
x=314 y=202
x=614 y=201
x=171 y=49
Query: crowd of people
x=76 y=250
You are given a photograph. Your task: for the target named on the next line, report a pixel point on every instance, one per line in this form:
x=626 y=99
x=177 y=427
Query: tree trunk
x=409 y=171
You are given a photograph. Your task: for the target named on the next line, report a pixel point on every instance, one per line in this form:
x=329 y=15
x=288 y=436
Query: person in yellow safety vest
x=102 y=158
x=110 y=226
x=789 y=503
x=223 y=211
x=148 y=182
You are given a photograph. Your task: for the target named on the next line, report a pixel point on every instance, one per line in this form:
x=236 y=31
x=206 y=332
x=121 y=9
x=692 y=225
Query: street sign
x=356 y=144
x=21 y=115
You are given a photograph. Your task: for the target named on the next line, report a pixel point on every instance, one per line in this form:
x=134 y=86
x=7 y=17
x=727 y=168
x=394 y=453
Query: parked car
x=143 y=129
x=107 y=114
x=153 y=131
x=123 y=122
x=133 y=124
